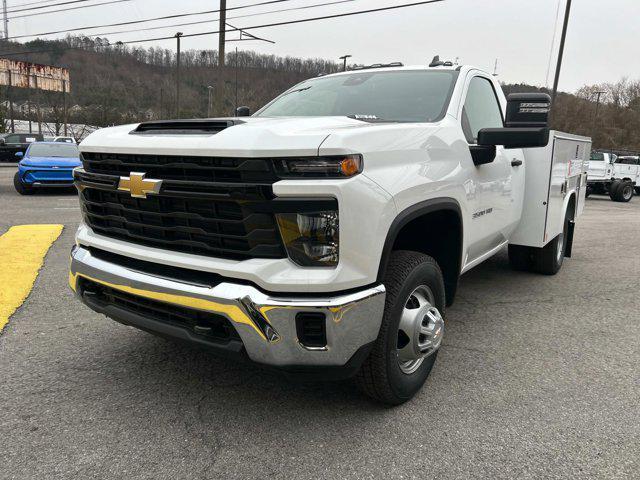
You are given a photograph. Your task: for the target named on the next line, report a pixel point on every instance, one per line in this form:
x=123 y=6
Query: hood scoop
x=209 y=126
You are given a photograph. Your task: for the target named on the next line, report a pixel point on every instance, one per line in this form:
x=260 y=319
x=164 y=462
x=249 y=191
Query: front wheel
x=20 y=187
x=411 y=331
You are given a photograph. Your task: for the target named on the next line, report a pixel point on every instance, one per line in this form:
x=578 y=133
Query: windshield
x=597 y=157
x=396 y=96
x=57 y=150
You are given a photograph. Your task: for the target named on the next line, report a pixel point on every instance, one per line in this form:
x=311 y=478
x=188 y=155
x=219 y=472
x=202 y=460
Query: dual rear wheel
x=621 y=191
x=546 y=260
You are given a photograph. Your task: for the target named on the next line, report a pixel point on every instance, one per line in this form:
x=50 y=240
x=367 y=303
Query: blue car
x=46 y=164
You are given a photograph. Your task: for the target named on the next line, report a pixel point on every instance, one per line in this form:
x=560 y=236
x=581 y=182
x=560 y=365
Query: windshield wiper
x=297 y=90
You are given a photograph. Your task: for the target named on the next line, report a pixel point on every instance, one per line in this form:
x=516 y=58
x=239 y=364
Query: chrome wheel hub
x=420 y=331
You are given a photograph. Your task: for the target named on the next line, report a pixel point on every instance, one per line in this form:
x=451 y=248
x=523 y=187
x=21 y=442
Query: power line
x=29 y=3
x=67 y=9
x=13 y=10
x=266 y=25
x=135 y=22
x=200 y=22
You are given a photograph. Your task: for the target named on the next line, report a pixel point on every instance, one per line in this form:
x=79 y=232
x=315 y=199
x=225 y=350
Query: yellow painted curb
x=22 y=251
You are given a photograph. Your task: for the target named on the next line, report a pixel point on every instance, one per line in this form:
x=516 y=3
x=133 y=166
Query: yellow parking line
x=22 y=251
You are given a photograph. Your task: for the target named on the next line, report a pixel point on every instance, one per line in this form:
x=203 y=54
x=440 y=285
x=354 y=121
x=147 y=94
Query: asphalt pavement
x=539 y=377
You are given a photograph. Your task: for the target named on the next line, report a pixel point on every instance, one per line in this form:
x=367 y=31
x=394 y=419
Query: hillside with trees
x=114 y=83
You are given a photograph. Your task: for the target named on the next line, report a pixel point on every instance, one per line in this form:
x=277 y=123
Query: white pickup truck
x=613 y=175
x=325 y=234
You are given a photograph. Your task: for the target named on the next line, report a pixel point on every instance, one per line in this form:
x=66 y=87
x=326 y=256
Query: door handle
x=516 y=163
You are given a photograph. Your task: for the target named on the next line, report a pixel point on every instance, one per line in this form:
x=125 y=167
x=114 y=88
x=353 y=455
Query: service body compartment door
x=566 y=177
x=553 y=174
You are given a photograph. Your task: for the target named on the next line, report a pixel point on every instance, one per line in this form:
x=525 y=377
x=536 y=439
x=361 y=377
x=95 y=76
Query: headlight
x=311 y=239
x=342 y=166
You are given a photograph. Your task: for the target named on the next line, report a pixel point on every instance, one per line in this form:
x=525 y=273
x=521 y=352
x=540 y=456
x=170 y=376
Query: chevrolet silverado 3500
x=325 y=234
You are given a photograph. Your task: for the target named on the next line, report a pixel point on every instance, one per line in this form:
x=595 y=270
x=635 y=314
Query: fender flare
x=411 y=213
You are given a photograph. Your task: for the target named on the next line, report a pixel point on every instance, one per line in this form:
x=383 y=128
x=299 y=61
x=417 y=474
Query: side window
x=481 y=109
x=12 y=139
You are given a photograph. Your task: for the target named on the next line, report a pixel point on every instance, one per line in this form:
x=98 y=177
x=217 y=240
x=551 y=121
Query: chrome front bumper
x=265 y=323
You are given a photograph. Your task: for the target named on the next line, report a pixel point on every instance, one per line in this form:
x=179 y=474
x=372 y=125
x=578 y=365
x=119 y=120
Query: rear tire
x=20 y=187
x=383 y=376
x=548 y=259
x=624 y=192
x=613 y=189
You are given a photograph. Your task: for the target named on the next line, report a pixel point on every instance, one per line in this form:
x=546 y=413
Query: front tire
x=20 y=187
x=411 y=331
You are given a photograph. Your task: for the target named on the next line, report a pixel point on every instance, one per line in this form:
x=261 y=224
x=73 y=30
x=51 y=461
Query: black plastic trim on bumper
x=232 y=349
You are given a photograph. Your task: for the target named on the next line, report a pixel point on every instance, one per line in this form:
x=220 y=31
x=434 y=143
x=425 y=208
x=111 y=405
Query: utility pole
x=567 y=13
x=595 y=116
x=221 y=35
x=64 y=105
x=6 y=19
x=178 y=35
x=344 y=59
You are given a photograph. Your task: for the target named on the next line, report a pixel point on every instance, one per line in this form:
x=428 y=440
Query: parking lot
x=538 y=377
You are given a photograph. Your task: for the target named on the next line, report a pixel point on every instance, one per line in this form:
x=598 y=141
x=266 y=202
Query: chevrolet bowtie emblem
x=138 y=186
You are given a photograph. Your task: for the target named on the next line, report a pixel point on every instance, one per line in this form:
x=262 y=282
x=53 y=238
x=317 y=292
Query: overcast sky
x=602 y=43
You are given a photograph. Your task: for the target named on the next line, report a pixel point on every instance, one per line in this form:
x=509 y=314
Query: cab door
x=499 y=185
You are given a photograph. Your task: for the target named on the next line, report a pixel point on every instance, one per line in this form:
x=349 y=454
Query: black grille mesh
x=207 y=206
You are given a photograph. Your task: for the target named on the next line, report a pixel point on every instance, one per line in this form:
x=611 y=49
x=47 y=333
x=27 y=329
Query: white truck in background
x=613 y=175
x=325 y=234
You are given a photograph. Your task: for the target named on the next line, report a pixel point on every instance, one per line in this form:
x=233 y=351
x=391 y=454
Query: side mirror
x=526 y=123
x=19 y=154
x=514 y=137
x=3 y=141
x=528 y=110
x=243 y=111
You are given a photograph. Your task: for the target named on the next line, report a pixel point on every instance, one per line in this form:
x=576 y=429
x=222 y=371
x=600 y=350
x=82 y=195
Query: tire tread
x=372 y=378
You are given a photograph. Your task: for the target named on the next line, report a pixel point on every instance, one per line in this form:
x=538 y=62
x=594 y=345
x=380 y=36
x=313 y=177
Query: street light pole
x=209 y=89
x=567 y=13
x=344 y=59
x=178 y=35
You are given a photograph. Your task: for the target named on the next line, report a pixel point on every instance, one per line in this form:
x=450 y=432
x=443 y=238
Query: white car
x=60 y=139
x=325 y=234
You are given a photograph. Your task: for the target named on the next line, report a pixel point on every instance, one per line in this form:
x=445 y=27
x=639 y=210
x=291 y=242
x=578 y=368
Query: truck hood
x=254 y=137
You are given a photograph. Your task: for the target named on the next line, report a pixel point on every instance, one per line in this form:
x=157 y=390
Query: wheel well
x=437 y=234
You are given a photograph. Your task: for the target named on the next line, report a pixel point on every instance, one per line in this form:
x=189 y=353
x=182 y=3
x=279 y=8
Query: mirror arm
x=482 y=154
